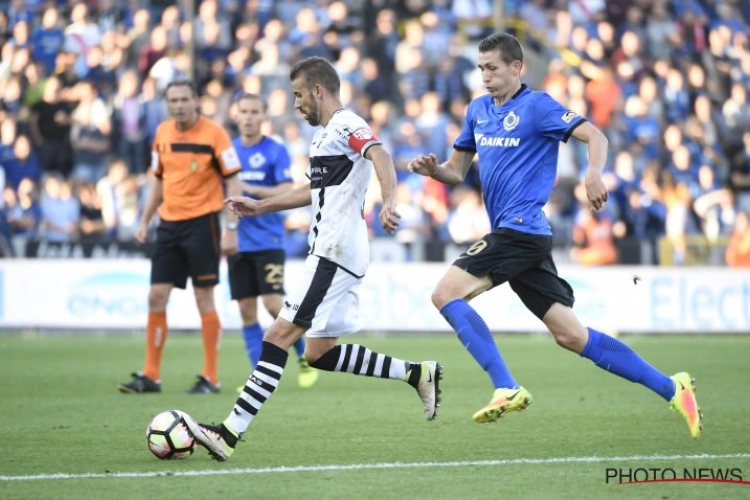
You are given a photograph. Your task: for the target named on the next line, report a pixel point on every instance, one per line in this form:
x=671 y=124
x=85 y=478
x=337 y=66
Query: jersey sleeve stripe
x=462 y=148
x=192 y=148
x=369 y=145
x=572 y=128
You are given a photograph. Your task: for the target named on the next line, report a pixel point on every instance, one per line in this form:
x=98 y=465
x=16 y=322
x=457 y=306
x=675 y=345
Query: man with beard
x=325 y=302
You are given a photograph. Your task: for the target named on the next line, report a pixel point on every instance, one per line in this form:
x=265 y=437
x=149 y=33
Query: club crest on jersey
x=511 y=121
x=256 y=160
x=194 y=166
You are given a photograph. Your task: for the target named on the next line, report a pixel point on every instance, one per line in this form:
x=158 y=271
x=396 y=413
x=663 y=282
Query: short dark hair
x=182 y=83
x=508 y=46
x=317 y=70
x=248 y=95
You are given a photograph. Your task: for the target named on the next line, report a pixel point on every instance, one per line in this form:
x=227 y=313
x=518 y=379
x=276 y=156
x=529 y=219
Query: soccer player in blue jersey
x=515 y=132
x=257 y=269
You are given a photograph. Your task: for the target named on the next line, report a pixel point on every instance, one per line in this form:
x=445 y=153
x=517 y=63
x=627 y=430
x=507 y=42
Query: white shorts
x=324 y=299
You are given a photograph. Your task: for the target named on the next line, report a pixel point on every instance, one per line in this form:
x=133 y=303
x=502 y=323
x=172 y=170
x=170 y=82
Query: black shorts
x=525 y=262
x=256 y=273
x=187 y=248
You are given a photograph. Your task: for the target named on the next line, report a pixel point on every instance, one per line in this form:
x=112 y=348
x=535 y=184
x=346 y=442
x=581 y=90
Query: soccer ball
x=167 y=436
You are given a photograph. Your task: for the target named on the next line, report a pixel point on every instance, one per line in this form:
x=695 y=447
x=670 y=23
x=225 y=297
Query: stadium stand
x=667 y=80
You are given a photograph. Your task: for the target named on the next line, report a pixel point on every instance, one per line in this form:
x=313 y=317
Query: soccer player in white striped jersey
x=325 y=303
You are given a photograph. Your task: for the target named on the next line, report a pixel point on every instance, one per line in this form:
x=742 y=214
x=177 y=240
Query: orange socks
x=156 y=335
x=211 y=329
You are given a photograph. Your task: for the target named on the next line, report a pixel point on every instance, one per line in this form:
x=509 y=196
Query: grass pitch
x=67 y=432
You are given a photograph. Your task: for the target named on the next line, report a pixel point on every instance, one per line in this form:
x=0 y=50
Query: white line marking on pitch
x=391 y=465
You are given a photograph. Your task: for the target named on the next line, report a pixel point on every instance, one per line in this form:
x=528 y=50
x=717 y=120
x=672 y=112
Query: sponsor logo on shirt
x=568 y=116
x=252 y=176
x=501 y=142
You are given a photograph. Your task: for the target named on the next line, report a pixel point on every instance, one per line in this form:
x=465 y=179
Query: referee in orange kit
x=192 y=161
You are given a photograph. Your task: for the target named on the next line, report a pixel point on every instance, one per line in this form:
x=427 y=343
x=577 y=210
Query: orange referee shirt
x=192 y=165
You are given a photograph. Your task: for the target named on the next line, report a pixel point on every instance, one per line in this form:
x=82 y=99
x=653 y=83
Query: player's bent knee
x=316 y=350
x=440 y=298
x=569 y=338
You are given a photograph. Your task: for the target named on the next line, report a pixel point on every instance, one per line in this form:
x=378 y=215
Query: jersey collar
x=520 y=91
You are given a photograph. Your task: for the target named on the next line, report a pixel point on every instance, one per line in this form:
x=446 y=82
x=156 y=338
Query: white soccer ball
x=168 y=438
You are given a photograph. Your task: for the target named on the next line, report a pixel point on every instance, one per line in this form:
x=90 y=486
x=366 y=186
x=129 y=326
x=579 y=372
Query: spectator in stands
x=738 y=249
x=153 y=51
x=51 y=122
x=593 y=239
x=7 y=202
x=467 y=220
x=60 y=213
x=25 y=217
x=91 y=134
x=23 y=164
x=92 y=229
x=138 y=36
x=81 y=35
x=740 y=175
x=128 y=121
x=474 y=17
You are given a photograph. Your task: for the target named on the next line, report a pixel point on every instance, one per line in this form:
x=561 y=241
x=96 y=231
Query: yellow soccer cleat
x=307 y=375
x=684 y=402
x=503 y=401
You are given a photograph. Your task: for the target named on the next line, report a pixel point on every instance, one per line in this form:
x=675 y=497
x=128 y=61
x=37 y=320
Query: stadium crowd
x=667 y=81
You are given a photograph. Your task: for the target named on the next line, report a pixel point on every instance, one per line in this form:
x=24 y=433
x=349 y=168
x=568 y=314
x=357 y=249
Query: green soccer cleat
x=503 y=401
x=307 y=374
x=685 y=403
x=213 y=438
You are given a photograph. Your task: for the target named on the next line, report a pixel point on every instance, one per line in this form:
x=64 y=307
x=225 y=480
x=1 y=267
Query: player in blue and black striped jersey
x=516 y=133
x=257 y=269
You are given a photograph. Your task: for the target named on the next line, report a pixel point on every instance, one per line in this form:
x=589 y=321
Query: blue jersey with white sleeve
x=266 y=163
x=517 y=144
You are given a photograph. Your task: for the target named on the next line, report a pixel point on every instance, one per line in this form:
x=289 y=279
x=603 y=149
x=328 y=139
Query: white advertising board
x=112 y=294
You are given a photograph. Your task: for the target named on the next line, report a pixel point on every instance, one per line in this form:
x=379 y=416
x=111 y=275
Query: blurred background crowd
x=667 y=80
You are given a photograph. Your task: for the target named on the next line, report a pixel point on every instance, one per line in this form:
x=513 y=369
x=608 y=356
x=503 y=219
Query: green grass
x=60 y=413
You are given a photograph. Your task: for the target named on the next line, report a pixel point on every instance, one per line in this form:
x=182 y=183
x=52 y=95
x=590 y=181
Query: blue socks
x=299 y=347
x=612 y=355
x=476 y=337
x=253 y=335
x=606 y=352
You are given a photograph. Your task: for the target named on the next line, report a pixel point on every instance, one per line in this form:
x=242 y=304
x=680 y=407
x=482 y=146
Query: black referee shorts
x=525 y=262
x=187 y=248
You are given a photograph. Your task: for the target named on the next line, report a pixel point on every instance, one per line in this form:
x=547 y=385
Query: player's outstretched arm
x=243 y=206
x=451 y=172
x=597 y=142
x=257 y=191
x=386 y=172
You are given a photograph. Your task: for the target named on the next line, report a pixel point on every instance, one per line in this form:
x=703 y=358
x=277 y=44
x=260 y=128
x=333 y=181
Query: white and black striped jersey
x=339 y=176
